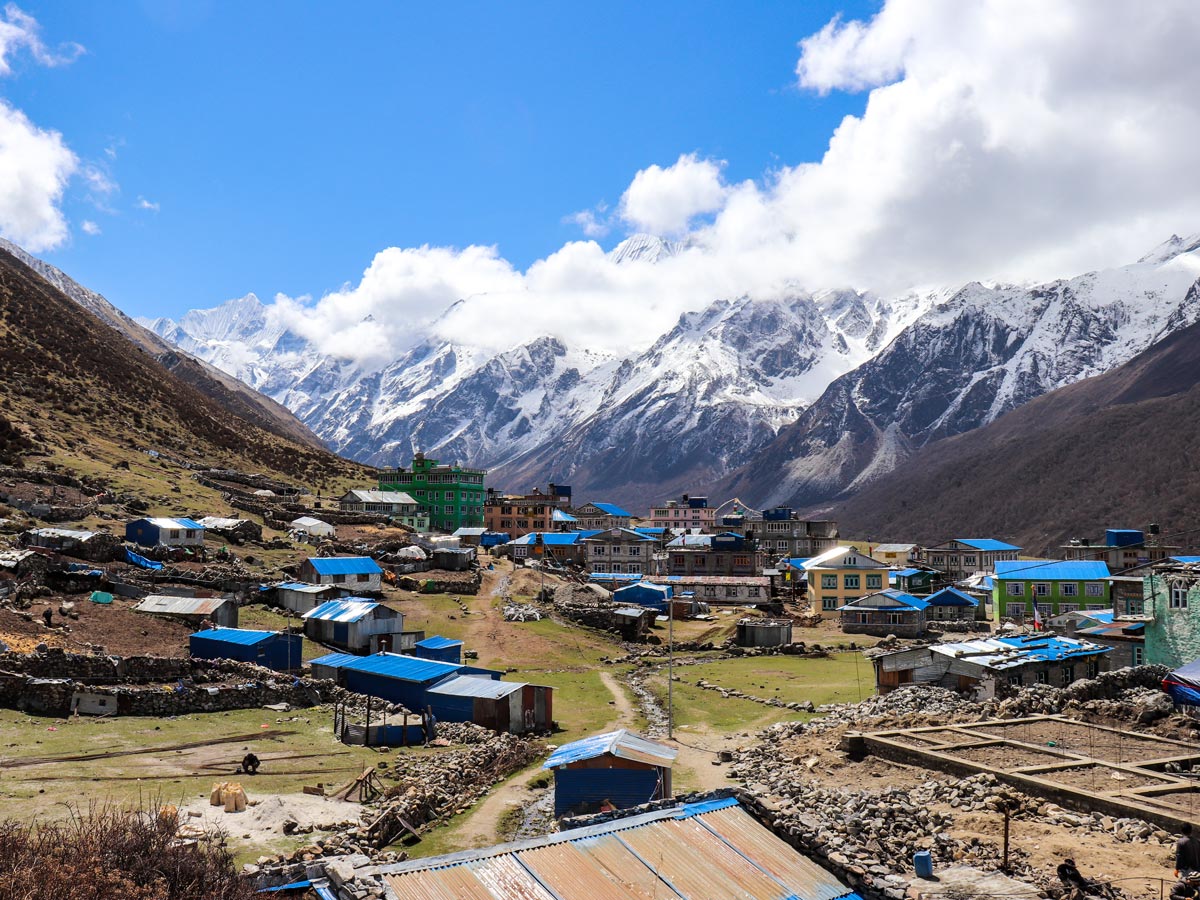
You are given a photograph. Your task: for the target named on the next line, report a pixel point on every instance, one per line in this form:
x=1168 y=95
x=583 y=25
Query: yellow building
x=841 y=575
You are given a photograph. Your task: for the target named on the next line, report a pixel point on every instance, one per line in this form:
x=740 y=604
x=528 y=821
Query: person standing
x=1187 y=852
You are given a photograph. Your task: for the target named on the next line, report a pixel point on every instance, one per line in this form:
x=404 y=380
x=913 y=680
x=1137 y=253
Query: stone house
x=397 y=505
x=885 y=612
x=355 y=573
x=601 y=516
x=620 y=551
x=713 y=554
x=1172 y=600
x=965 y=556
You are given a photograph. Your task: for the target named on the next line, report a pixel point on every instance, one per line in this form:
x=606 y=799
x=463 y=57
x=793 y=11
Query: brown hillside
x=1116 y=450
x=66 y=378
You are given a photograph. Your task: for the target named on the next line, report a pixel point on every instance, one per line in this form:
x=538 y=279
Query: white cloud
x=87 y=226
x=665 y=201
x=593 y=222
x=143 y=203
x=35 y=165
x=1007 y=139
x=20 y=30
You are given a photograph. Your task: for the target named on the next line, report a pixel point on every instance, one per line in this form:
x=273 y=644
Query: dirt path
x=627 y=714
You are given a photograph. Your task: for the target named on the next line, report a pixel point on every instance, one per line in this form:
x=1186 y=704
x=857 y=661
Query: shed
x=355 y=624
x=633 y=622
x=277 y=650
x=219 y=611
x=453 y=559
x=327 y=666
x=644 y=593
x=356 y=573
x=236 y=530
x=397 y=678
x=164 y=532
x=312 y=526
x=441 y=649
x=93 y=703
x=493 y=539
x=510 y=706
x=617 y=767
x=950 y=605
x=470 y=537
x=752 y=632
x=300 y=597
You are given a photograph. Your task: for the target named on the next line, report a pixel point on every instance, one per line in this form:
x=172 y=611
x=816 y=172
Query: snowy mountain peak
x=1172 y=247
x=643 y=248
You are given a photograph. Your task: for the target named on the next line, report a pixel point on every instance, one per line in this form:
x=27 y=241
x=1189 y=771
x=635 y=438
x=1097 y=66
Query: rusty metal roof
x=713 y=850
x=160 y=604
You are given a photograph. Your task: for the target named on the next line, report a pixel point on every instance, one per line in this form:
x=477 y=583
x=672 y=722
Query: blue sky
x=284 y=144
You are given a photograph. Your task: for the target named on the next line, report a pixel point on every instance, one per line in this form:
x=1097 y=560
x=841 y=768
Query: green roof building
x=452 y=495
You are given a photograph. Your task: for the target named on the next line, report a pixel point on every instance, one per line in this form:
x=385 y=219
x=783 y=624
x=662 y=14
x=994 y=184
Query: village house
x=721 y=589
x=951 y=605
x=601 y=517
x=450 y=495
x=619 y=551
x=1127 y=640
x=195 y=611
x=686 y=513
x=900 y=555
x=396 y=505
x=1121 y=549
x=713 y=554
x=883 y=613
x=356 y=573
x=781 y=533
x=357 y=625
x=914 y=580
x=96 y=546
x=619 y=768
x=981 y=666
x=962 y=557
x=517 y=515
x=842 y=575
x=164 y=532
x=1173 y=604
x=1054 y=586
x=273 y=649
x=564 y=548
x=300 y=597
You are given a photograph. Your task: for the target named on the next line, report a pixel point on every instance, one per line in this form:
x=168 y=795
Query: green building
x=1172 y=599
x=451 y=495
x=1052 y=586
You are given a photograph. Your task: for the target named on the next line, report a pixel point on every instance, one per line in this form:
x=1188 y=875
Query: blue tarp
x=141 y=561
x=1184 y=684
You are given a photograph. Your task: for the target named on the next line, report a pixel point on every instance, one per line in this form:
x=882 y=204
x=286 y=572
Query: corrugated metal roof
x=235 y=635
x=472 y=686
x=893 y=548
x=1186 y=560
x=987 y=544
x=347 y=609
x=613 y=510
x=303 y=587
x=334 y=660
x=886 y=599
x=558 y=515
x=394 y=497
x=403 y=668
x=621 y=743
x=437 y=642
x=835 y=553
x=1008 y=653
x=164 y=522
x=220 y=522
x=469 y=532
x=550 y=538
x=1050 y=570
x=705 y=852
x=309 y=522
x=950 y=596
x=181 y=606
x=345 y=565
x=63 y=533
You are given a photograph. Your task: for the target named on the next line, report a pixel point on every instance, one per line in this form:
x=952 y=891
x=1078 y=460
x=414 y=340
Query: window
x=1068 y=675
x=1069 y=589
x=850 y=582
x=597 y=549
x=781 y=545
x=753 y=592
x=678 y=559
x=635 y=551
x=875 y=581
x=363 y=579
x=1135 y=607
x=1016 y=680
x=449 y=510
x=1015 y=610
x=1041 y=589
x=968 y=560
x=1093 y=668
x=895 y=618
x=1094 y=588
x=1015 y=589
x=1179 y=594
x=829 y=603
x=710 y=591
x=741 y=560
x=1095 y=606
x=634 y=568
x=617 y=568
x=851 y=561
x=863 y=618
x=1067 y=607
x=600 y=567
x=1139 y=656
x=1042 y=677
x=731 y=591
x=1044 y=611
x=338 y=579
x=829 y=582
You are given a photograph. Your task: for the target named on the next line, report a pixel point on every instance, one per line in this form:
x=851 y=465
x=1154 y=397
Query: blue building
x=353 y=573
x=164 y=532
x=392 y=676
x=441 y=649
x=274 y=649
x=355 y=624
x=617 y=767
x=644 y=593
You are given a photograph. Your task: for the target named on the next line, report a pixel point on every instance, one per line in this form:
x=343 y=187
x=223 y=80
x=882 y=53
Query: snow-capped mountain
x=979 y=353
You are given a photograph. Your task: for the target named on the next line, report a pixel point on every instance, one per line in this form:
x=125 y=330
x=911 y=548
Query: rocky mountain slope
x=209 y=380
x=71 y=384
x=1114 y=450
x=967 y=361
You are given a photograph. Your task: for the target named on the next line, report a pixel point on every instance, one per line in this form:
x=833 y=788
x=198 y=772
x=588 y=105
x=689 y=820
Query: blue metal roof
x=334 y=660
x=621 y=743
x=986 y=544
x=1048 y=647
x=190 y=523
x=345 y=565
x=612 y=509
x=907 y=573
x=1050 y=570
x=892 y=594
x=950 y=596
x=437 y=642
x=559 y=515
x=1186 y=560
x=235 y=635
x=649 y=530
x=550 y=538
x=663 y=589
x=403 y=668
x=347 y=609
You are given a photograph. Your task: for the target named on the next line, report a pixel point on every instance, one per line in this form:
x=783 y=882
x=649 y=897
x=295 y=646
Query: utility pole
x=670 y=668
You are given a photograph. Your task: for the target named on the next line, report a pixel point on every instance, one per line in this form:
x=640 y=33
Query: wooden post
x=1007 y=815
